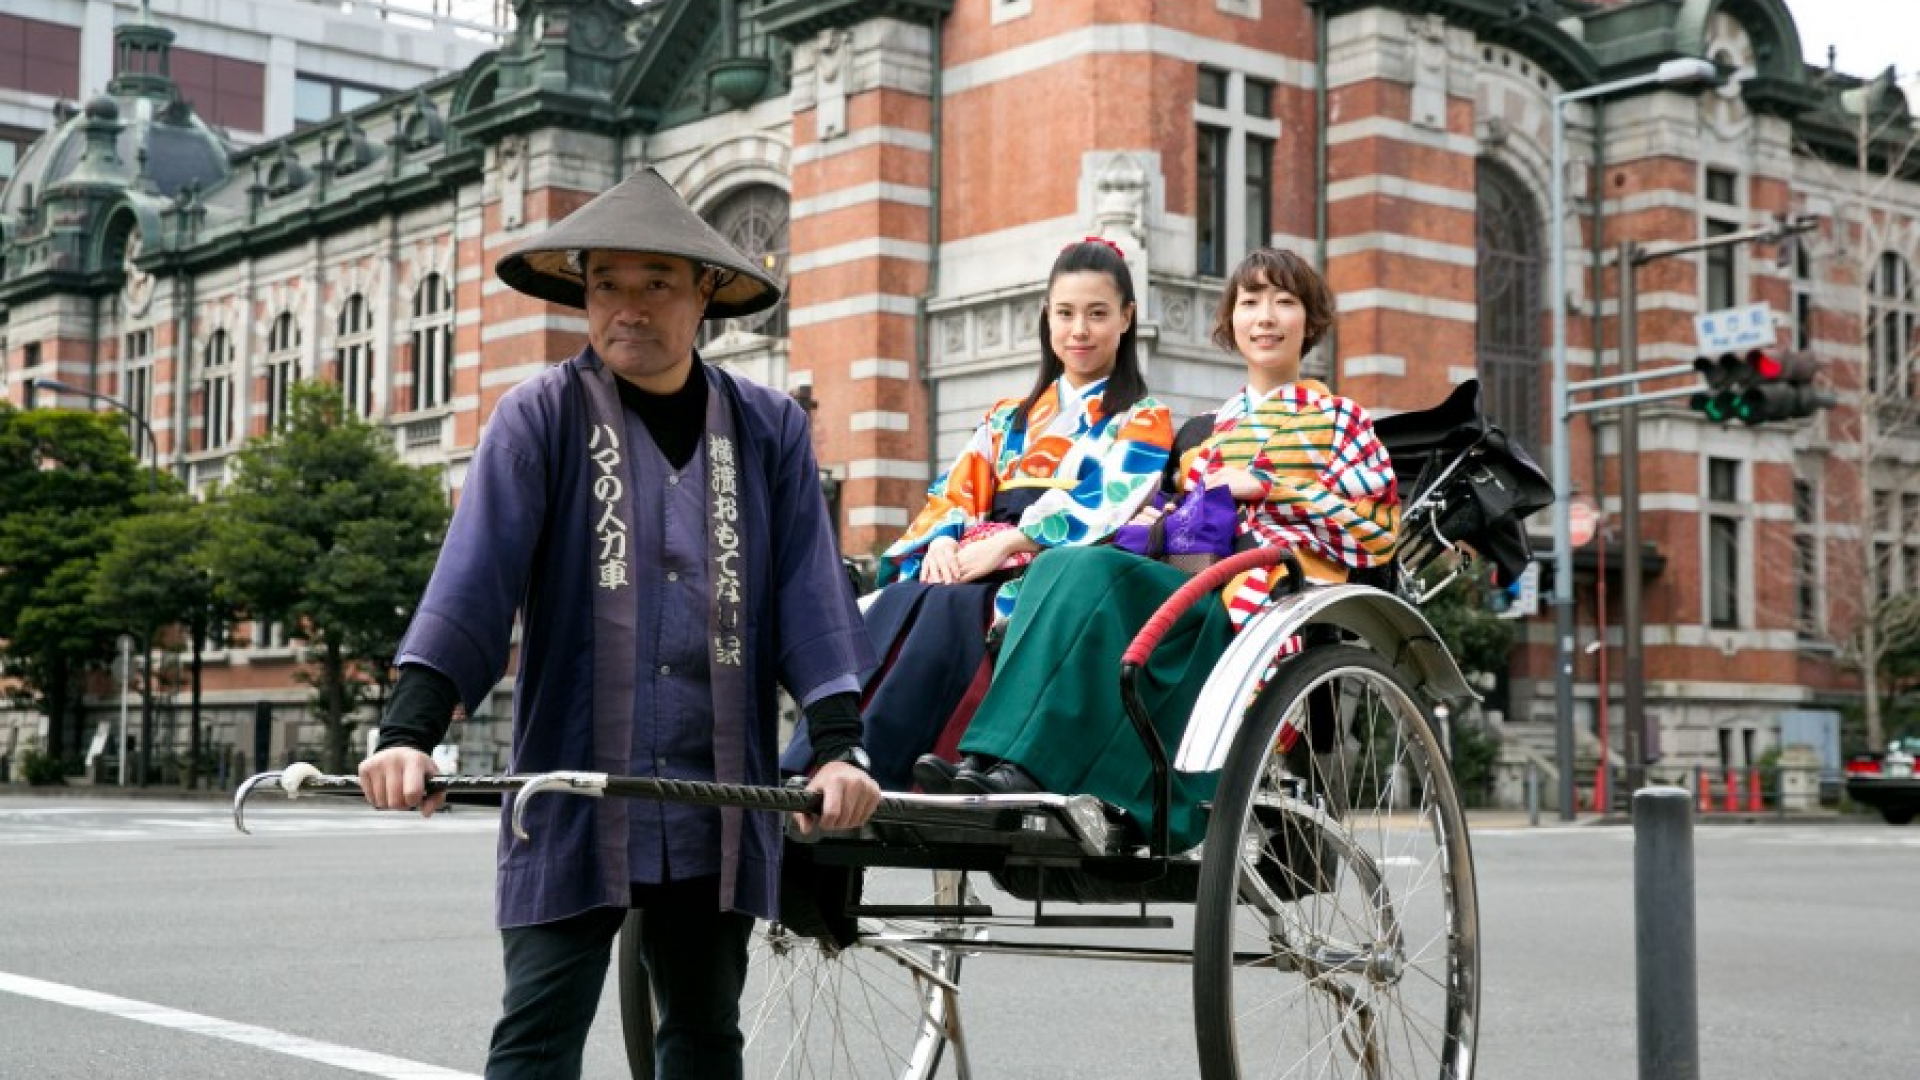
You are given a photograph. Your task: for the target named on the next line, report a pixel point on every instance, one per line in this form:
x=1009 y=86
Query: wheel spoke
x=1350 y=866
x=878 y=1009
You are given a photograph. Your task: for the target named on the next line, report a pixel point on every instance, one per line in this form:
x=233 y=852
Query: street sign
x=1583 y=519
x=1526 y=594
x=1735 y=329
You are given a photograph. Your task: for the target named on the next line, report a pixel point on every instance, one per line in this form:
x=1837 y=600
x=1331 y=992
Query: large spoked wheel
x=885 y=1007
x=1336 y=931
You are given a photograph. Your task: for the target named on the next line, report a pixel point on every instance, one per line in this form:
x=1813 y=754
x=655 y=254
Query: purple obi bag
x=1195 y=534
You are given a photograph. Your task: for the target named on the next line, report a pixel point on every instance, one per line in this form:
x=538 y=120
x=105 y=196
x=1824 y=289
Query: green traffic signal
x=1727 y=377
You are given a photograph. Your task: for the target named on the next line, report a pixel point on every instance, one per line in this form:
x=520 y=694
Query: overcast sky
x=1870 y=34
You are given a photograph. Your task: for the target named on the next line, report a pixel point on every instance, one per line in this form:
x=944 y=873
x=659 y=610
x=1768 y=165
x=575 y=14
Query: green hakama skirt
x=1054 y=705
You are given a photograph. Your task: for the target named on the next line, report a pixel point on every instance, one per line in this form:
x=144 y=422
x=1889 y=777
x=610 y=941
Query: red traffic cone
x=1755 y=804
x=1703 y=780
x=1733 y=791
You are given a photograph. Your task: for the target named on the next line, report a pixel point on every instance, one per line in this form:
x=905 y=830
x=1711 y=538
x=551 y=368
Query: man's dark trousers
x=557 y=971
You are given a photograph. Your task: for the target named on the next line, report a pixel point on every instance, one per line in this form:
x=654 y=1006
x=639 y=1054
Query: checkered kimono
x=1330 y=492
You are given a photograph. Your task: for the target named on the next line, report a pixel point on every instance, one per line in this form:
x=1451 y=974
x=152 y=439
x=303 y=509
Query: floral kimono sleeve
x=1117 y=469
x=962 y=496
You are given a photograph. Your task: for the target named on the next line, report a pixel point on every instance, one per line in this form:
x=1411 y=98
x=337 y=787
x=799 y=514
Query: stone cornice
x=797 y=20
x=1533 y=34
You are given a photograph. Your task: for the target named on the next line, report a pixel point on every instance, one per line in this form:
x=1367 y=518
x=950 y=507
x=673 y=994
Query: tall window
x=1507 y=338
x=1909 y=542
x=353 y=354
x=432 y=343
x=1891 y=325
x=1210 y=211
x=283 y=368
x=1234 y=137
x=138 y=391
x=1802 y=298
x=1896 y=542
x=1722 y=285
x=1806 y=559
x=1723 y=543
x=754 y=218
x=216 y=392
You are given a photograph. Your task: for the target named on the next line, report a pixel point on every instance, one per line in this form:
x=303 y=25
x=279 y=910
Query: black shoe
x=1005 y=778
x=934 y=774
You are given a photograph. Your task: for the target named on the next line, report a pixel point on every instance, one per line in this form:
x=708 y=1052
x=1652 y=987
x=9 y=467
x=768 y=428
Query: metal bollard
x=1663 y=934
x=1533 y=793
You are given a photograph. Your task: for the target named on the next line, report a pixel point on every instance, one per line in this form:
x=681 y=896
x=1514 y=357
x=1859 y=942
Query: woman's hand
x=983 y=557
x=941 y=564
x=1147 y=515
x=1245 y=486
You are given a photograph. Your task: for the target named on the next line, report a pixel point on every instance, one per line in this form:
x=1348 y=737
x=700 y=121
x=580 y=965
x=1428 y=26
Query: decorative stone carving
x=1026 y=321
x=831 y=75
x=1179 y=314
x=137 y=291
x=1430 y=73
x=513 y=181
x=953 y=335
x=992 y=328
x=1120 y=202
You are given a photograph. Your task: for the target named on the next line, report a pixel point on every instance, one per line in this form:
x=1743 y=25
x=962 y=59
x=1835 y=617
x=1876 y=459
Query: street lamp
x=55 y=386
x=1677 y=72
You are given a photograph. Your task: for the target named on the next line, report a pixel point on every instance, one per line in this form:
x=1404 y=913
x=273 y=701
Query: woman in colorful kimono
x=1066 y=465
x=1306 y=472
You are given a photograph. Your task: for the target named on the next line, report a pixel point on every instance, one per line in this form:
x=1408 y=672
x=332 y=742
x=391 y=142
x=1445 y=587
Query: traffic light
x=1758 y=386
x=1782 y=388
x=1727 y=378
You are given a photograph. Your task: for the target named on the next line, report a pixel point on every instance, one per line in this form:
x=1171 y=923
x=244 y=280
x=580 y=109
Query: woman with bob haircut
x=1064 y=466
x=1306 y=473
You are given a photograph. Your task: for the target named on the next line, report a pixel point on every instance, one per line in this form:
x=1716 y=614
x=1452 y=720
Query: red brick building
x=911 y=166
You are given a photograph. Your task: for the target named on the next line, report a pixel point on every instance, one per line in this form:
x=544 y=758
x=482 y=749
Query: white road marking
x=40 y=827
x=278 y=1042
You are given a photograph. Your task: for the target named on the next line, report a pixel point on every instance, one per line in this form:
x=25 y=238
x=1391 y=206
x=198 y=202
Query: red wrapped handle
x=1148 y=639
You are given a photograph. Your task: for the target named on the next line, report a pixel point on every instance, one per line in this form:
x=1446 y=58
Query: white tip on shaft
x=296 y=774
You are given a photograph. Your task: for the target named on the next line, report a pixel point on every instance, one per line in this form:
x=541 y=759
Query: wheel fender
x=1387 y=624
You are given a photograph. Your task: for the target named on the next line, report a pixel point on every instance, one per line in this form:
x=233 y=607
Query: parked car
x=1887 y=782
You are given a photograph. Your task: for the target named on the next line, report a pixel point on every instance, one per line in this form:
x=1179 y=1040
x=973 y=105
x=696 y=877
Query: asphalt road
x=146 y=939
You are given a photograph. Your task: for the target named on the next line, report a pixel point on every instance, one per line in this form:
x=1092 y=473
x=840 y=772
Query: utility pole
x=1632 y=256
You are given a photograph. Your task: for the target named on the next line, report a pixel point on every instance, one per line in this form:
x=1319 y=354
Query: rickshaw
x=1335 y=931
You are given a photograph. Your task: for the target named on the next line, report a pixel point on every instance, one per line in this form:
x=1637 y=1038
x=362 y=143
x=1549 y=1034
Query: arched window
x=432 y=343
x=216 y=392
x=1507 y=340
x=754 y=218
x=1890 y=329
x=137 y=391
x=283 y=368
x=353 y=354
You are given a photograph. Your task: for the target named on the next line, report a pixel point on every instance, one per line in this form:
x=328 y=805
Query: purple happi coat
x=522 y=541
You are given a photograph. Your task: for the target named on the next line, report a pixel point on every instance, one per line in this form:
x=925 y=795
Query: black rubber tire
x=1361 y=957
